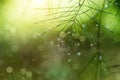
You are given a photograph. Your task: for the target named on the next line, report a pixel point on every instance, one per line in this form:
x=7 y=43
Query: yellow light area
x=39 y=3
x=22 y=14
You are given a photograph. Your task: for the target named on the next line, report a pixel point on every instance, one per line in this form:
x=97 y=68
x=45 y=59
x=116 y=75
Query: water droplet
x=23 y=71
x=68 y=32
x=83 y=25
x=116 y=3
x=72 y=34
x=97 y=25
x=62 y=34
x=100 y=57
x=107 y=26
x=68 y=53
x=74 y=30
x=106 y=6
x=51 y=42
x=36 y=35
x=69 y=60
x=29 y=74
x=58 y=45
x=76 y=35
x=58 y=39
x=101 y=32
x=91 y=44
x=79 y=53
x=9 y=69
x=82 y=38
x=62 y=41
x=78 y=44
